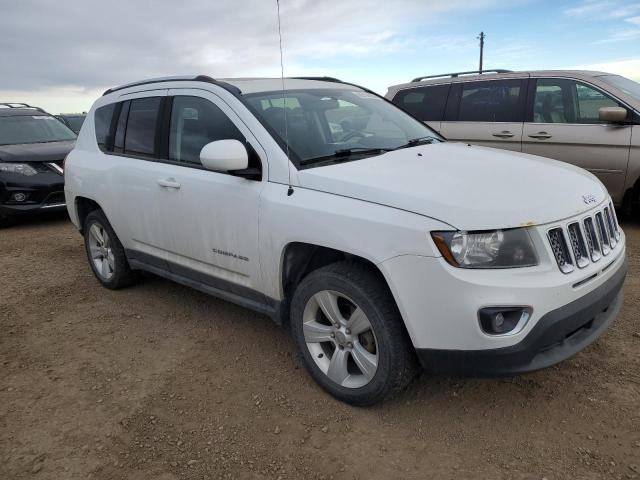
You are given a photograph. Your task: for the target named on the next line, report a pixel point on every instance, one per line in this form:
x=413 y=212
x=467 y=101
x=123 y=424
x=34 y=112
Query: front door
x=563 y=124
x=212 y=227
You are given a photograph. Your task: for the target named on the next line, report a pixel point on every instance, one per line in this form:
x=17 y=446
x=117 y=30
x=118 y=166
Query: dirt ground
x=159 y=381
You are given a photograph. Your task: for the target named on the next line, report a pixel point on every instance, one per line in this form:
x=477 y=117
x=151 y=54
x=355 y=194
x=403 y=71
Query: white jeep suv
x=331 y=210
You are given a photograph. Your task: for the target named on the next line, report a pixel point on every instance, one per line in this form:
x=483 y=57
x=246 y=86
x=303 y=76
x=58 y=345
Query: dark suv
x=33 y=145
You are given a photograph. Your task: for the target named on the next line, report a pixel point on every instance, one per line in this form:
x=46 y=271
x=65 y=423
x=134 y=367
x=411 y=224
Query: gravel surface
x=159 y=381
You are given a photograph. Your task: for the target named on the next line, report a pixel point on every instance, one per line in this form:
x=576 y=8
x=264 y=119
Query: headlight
x=488 y=249
x=19 y=168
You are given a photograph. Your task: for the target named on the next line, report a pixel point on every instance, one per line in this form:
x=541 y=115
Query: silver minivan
x=589 y=119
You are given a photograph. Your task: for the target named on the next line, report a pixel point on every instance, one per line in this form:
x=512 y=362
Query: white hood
x=468 y=187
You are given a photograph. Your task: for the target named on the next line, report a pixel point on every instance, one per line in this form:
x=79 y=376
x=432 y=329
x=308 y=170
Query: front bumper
x=45 y=192
x=558 y=335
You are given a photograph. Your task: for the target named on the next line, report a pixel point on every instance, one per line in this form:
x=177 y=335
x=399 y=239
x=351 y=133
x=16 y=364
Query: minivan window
x=195 y=122
x=567 y=101
x=102 y=121
x=141 y=126
x=425 y=103
x=490 y=101
x=323 y=123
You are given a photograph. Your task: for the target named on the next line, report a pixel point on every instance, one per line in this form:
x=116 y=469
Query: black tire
x=396 y=360
x=121 y=275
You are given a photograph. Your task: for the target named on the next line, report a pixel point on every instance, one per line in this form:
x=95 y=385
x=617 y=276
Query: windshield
x=629 y=87
x=325 y=125
x=33 y=129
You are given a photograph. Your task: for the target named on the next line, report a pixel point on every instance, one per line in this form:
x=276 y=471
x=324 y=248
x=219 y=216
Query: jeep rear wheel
x=350 y=334
x=105 y=252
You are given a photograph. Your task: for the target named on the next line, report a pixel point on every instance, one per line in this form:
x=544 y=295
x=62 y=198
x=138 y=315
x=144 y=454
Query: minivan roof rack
x=457 y=74
x=192 y=78
x=19 y=105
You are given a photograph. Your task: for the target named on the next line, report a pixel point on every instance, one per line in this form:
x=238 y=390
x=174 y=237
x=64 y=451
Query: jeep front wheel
x=350 y=333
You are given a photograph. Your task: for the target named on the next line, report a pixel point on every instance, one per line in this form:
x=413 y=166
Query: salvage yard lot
x=160 y=381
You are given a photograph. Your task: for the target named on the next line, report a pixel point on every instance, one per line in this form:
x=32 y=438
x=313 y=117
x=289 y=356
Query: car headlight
x=19 y=168
x=487 y=249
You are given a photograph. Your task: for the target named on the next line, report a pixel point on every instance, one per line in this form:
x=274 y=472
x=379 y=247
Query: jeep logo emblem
x=589 y=199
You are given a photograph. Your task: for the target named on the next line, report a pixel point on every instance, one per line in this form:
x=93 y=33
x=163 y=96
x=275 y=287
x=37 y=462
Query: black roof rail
x=320 y=79
x=20 y=105
x=457 y=74
x=192 y=78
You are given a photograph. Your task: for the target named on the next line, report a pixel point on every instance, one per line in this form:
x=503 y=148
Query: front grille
x=580 y=243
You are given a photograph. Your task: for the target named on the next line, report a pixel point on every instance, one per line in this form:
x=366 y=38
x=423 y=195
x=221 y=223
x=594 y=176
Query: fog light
x=503 y=320
x=19 y=197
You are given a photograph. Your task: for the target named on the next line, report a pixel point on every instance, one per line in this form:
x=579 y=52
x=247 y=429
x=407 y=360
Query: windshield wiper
x=417 y=141
x=344 y=154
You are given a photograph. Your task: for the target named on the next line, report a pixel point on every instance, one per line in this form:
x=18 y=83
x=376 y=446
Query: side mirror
x=613 y=114
x=224 y=156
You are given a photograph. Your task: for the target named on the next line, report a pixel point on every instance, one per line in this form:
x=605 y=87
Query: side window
x=195 y=122
x=491 y=101
x=567 y=101
x=141 y=126
x=589 y=102
x=102 y=120
x=424 y=103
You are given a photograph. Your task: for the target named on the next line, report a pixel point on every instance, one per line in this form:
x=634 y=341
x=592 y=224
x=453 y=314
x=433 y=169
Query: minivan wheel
x=105 y=252
x=350 y=334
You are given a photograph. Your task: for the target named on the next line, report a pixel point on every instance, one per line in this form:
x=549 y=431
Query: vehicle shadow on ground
x=38 y=220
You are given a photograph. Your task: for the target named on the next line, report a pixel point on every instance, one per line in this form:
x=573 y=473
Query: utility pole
x=481 y=38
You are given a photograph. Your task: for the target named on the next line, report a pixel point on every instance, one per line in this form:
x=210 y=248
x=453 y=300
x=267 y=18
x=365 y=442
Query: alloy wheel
x=340 y=339
x=101 y=251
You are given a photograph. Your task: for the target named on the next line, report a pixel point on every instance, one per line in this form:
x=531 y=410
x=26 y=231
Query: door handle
x=169 y=183
x=541 y=135
x=503 y=134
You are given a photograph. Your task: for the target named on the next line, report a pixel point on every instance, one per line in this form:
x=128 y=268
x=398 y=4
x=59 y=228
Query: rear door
x=563 y=124
x=426 y=103
x=132 y=175
x=487 y=112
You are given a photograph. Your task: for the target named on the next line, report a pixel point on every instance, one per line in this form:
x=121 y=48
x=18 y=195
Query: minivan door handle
x=541 y=135
x=503 y=134
x=169 y=183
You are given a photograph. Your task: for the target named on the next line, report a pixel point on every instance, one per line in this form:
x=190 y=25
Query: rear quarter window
x=102 y=120
x=424 y=103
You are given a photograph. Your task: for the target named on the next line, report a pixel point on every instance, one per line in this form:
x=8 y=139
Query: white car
x=323 y=205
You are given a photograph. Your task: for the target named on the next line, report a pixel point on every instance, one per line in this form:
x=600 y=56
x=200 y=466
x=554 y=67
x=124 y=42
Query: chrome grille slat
x=592 y=239
x=615 y=220
x=560 y=249
x=603 y=236
x=581 y=242
x=611 y=228
x=578 y=245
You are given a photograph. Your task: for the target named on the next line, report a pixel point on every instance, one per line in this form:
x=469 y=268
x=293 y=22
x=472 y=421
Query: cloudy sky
x=61 y=55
